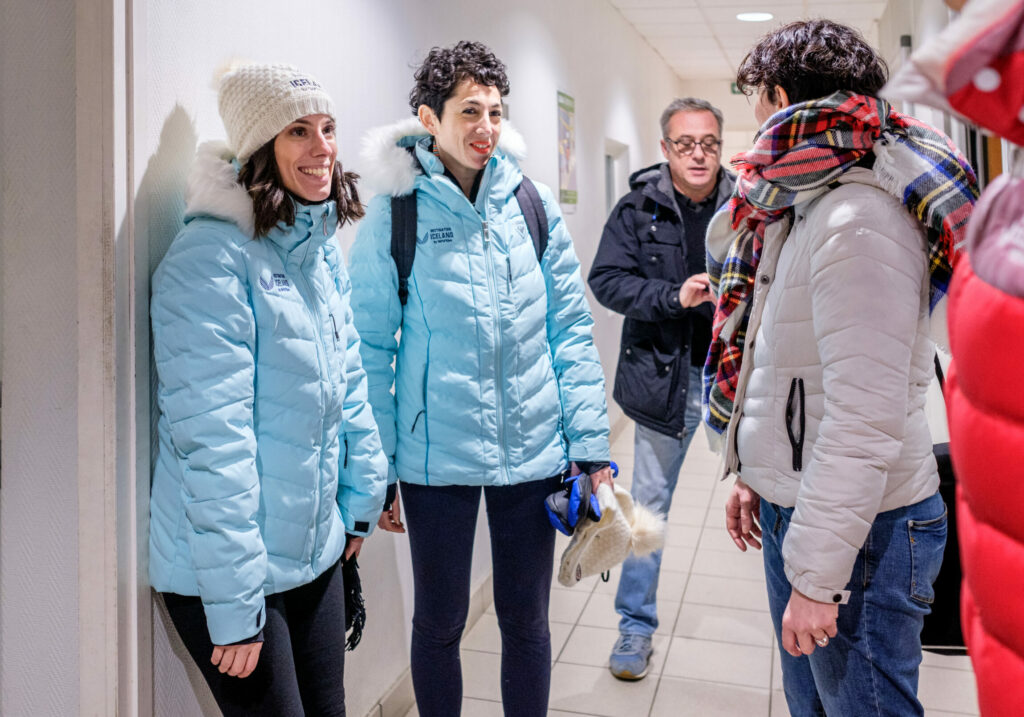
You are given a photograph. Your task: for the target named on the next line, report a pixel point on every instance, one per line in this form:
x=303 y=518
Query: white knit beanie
x=258 y=101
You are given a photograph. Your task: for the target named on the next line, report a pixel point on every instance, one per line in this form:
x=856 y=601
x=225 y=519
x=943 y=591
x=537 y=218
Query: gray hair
x=689 y=104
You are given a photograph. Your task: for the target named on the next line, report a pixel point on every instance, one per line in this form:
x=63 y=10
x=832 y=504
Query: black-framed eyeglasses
x=686 y=145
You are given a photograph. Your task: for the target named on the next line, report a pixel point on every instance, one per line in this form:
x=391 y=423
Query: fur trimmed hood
x=213 y=188
x=387 y=168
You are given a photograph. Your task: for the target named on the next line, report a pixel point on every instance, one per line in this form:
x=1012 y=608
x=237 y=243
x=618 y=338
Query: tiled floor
x=714 y=653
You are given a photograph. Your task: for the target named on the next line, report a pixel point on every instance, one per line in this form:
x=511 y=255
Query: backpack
x=403 y=229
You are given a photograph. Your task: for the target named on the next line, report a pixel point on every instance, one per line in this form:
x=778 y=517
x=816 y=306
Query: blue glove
x=568 y=506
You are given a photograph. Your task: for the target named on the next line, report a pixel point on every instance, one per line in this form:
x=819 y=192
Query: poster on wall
x=567 y=153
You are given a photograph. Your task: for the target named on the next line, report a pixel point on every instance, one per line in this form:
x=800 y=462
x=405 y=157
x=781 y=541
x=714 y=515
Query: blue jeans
x=871 y=666
x=657 y=459
x=442 y=523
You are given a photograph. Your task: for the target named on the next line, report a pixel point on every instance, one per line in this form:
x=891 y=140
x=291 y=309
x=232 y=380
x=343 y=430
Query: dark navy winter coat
x=638 y=270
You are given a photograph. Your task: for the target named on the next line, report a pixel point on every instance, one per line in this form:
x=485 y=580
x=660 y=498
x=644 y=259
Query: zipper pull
x=508 y=264
x=416 y=420
x=335 y=324
x=487 y=236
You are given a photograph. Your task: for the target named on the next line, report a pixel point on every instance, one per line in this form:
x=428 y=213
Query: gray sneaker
x=631 y=657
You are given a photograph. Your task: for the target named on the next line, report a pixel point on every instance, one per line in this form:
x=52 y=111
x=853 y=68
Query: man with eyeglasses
x=650 y=267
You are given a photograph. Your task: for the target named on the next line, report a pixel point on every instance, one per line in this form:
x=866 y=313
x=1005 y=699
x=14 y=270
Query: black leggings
x=442 y=523
x=302 y=663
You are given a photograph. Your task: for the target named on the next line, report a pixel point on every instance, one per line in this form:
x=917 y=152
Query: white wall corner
x=101 y=204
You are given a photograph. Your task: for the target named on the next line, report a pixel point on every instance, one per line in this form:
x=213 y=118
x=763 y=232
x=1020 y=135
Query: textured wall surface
x=38 y=507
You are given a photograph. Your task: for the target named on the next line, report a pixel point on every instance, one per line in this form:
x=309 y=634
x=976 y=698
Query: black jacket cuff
x=673 y=307
x=258 y=637
x=589 y=467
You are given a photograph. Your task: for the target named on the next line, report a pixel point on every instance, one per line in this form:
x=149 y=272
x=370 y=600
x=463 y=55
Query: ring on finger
x=821 y=641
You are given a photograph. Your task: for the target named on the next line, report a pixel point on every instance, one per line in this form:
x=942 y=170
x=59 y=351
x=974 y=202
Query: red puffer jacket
x=985 y=402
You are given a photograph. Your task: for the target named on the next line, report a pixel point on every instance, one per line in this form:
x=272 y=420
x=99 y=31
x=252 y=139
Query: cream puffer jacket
x=841 y=350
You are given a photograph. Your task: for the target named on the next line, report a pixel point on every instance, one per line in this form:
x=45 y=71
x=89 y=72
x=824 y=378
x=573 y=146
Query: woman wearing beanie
x=498 y=385
x=838 y=242
x=269 y=467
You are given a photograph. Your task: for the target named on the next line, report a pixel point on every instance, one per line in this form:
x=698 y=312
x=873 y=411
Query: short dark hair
x=811 y=59
x=445 y=67
x=270 y=201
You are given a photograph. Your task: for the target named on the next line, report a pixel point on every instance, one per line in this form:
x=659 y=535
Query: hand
x=743 y=516
x=805 y=621
x=602 y=476
x=353 y=545
x=236 y=660
x=695 y=291
x=391 y=518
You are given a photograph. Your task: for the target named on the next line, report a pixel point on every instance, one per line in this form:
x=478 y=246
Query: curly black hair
x=811 y=59
x=270 y=202
x=445 y=67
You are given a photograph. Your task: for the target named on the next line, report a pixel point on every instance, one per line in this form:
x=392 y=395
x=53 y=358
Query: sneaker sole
x=629 y=676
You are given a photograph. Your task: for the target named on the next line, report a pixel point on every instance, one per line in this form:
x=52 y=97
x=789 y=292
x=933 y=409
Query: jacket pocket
x=796 y=422
x=927 y=545
x=647 y=380
x=660 y=260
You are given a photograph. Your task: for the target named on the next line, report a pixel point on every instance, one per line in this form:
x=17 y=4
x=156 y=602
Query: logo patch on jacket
x=442 y=235
x=270 y=281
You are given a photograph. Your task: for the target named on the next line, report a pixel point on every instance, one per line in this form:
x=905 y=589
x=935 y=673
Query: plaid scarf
x=799 y=157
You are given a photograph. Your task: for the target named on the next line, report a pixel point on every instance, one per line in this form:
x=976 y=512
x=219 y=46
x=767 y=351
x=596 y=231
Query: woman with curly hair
x=497 y=384
x=269 y=471
x=838 y=242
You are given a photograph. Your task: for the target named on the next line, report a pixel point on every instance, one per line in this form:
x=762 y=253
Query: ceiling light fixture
x=754 y=16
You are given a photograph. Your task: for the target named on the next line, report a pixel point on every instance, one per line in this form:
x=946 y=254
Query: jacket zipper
x=499 y=398
x=337 y=336
x=321 y=353
x=796 y=439
x=730 y=449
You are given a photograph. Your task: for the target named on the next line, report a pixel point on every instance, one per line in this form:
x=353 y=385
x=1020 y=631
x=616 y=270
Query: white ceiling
x=702 y=39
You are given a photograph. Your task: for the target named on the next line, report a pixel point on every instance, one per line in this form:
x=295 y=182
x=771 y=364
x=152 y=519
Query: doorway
x=616 y=173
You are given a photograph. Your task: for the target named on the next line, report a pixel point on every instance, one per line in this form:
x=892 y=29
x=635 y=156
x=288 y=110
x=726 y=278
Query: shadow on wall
x=160 y=210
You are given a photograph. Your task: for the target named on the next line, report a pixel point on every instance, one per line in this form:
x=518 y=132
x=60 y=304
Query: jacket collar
x=387 y=167
x=213 y=190
x=316 y=222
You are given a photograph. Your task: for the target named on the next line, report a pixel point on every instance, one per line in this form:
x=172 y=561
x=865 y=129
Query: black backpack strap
x=403 y=240
x=533 y=212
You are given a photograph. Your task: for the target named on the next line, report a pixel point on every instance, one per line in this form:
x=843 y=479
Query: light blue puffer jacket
x=497 y=378
x=268 y=452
